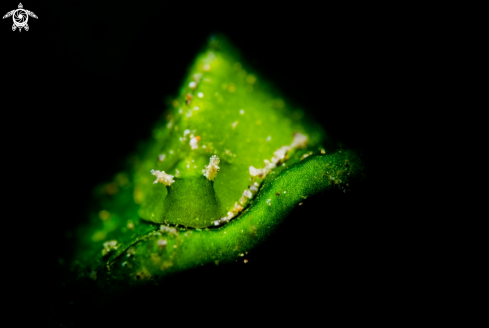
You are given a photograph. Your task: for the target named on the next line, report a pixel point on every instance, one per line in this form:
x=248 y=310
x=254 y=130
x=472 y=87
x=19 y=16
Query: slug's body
x=224 y=133
x=225 y=166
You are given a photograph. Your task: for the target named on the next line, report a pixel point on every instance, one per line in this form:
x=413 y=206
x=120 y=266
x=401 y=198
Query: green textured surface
x=239 y=118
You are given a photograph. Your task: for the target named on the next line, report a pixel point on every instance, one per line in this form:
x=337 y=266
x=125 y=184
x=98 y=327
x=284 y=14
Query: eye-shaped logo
x=20 y=17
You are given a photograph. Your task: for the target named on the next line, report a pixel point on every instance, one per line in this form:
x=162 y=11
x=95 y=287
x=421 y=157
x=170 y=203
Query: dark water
x=86 y=84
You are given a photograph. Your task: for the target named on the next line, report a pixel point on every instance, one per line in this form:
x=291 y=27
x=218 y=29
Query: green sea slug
x=226 y=163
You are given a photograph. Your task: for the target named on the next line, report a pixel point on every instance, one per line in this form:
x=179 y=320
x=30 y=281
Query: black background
x=85 y=84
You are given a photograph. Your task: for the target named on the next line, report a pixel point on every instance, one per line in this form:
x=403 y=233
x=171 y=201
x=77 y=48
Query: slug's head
x=222 y=137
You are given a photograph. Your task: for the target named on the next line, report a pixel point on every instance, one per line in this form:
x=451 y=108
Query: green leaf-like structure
x=226 y=164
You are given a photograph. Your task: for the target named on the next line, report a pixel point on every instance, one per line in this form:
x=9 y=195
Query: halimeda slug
x=204 y=189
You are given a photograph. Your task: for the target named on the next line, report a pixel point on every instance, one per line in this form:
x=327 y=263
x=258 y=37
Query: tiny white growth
x=193 y=142
x=247 y=194
x=162 y=177
x=180 y=111
x=196 y=108
x=207 y=67
x=192 y=85
x=241 y=112
x=237 y=208
x=200 y=95
x=109 y=246
x=254 y=172
x=254 y=189
x=162 y=243
x=229 y=216
x=170 y=124
x=269 y=166
x=269 y=202
x=234 y=124
x=269 y=138
x=211 y=170
x=300 y=141
x=279 y=154
x=161 y=158
x=221 y=221
x=168 y=229
x=197 y=77
x=187 y=131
